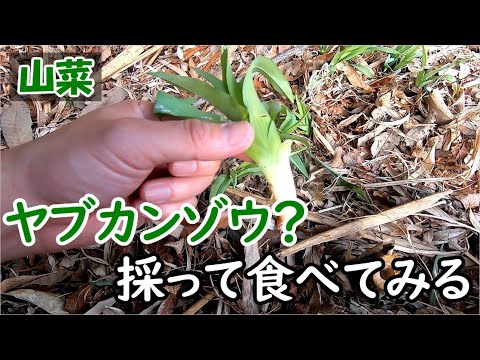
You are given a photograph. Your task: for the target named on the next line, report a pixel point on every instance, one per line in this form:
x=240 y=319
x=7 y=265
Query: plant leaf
x=167 y=104
x=229 y=81
x=247 y=168
x=364 y=70
x=361 y=193
x=296 y=138
x=219 y=185
x=216 y=82
x=424 y=56
x=297 y=161
x=274 y=75
x=218 y=98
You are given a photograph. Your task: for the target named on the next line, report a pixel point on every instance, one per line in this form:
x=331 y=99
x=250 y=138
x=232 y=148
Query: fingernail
x=158 y=193
x=238 y=133
x=184 y=167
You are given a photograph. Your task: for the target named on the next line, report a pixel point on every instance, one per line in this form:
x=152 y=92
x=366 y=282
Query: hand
x=118 y=151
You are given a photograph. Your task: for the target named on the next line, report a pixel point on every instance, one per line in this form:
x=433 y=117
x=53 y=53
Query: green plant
x=323 y=49
x=425 y=78
x=272 y=121
x=404 y=56
x=350 y=52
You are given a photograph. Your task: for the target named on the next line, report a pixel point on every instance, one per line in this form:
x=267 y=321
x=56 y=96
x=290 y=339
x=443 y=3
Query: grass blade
x=218 y=98
x=299 y=164
x=167 y=104
x=216 y=82
x=219 y=185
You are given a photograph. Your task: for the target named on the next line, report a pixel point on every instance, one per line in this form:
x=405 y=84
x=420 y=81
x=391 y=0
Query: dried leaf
x=470 y=201
x=428 y=159
x=48 y=302
x=168 y=305
x=78 y=301
x=106 y=53
x=111 y=97
x=416 y=135
x=110 y=310
x=384 y=142
x=387 y=272
x=459 y=103
x=99 y=307
x=474 y=220
x=353 y=77
x=367 y=137
x=17 y=124
x=28 y=280
x=438 y=110
x=475 y=165
x=149 y=310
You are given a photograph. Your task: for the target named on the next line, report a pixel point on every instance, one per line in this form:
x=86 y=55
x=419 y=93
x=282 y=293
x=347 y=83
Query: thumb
x=166 y=141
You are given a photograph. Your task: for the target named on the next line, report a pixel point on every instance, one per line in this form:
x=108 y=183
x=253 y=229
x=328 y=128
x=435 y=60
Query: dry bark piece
x=17 y=123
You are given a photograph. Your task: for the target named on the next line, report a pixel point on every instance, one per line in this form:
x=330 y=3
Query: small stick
x=192 y=310
x=353 y=227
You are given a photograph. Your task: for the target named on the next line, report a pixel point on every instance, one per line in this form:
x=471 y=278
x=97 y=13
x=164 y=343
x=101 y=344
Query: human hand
x=121 y=150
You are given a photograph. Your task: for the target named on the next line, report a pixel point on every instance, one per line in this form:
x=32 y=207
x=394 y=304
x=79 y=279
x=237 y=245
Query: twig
x=192 y=310
x=366 y=223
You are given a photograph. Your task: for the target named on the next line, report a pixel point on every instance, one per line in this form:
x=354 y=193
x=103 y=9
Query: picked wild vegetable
x=272 y=121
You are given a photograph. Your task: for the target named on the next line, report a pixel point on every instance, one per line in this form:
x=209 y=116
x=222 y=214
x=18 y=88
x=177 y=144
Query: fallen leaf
x=177 y=245
x=459 y=103
x=16 y=124
x=372 y=134
x=48 y=302
x=353 y=77
x=78 y=301
x=27 y=280
x=353 y=158
x=428 y=159
x=99 y=307
x=475 y=165
x=110 y=310
x=110 y=97
x=470 y=201
x=168 y=305
x=149 y=310
x=106 y=53
x=416 y=135
x=350 y=120
x=384 y=142
x=474 y=220
x=438 y=111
